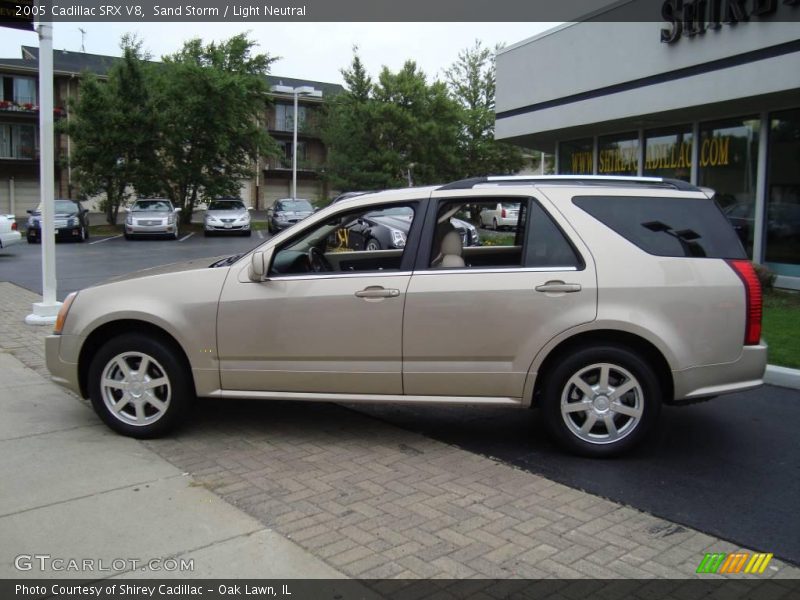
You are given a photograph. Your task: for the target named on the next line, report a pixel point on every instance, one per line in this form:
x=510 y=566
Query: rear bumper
x=62 y=372
x=746 y=373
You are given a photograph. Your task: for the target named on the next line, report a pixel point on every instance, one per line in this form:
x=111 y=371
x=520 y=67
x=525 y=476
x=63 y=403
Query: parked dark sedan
x=286 y=212
x=71 y=222
x=388 y=229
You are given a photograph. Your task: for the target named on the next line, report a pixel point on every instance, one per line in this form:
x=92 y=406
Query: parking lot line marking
x=186 y=237
x=105 y=239
x=260 y=234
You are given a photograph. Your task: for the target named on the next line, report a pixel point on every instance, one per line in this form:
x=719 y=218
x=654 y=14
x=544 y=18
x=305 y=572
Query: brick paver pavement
x=376 y=501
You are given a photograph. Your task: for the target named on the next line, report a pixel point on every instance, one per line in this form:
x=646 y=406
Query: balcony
x=12 y=106
x=285 y=164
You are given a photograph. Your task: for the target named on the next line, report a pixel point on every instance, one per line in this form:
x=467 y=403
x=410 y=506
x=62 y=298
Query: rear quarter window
x=681 y=227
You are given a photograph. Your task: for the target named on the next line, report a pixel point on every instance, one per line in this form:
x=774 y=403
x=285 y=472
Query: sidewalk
x=299 y=490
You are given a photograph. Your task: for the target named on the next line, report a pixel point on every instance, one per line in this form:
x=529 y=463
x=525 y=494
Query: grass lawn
x=782 y=327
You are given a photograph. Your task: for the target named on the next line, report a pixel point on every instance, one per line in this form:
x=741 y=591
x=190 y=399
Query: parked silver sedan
x=152 y=217
x=227 y=215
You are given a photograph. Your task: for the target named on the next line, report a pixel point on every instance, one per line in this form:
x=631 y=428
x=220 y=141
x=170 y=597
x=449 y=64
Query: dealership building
x=710 y=102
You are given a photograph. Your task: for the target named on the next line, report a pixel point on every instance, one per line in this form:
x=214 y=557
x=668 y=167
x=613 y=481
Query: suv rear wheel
x=600 y=401
x=137 y=386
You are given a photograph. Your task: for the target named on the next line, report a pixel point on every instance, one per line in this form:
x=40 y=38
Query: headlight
x=280 y=217
x=243 y=219
x=211 y=218
x=398 y=238
x=171 y=220
x=129 y=220
x=31 y=222
x=71 y=222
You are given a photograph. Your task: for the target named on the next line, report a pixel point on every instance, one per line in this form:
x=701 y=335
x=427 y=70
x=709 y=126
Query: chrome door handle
x=559 y=286
x=376 y=291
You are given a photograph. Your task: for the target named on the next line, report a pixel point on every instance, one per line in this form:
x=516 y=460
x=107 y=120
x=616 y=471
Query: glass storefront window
x=728 y=156
x=575 y=157
x=782 y=226
x=618 y=155
x=668 y=153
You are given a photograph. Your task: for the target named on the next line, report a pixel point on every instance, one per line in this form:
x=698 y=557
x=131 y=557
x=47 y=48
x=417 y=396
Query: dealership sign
x=17 y=14
x=695 y=17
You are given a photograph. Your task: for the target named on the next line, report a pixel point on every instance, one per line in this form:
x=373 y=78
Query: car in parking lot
x=227 y=215
x=71 y=222
x=614 y=296
x=9 y=234
x=152 y=217
x=502 y=215
x=286 y=212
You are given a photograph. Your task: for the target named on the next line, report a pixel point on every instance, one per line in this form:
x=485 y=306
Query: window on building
x=576 y=157
x=783 y=194
x=285 y=160
x=728 y=157
x=17 y=141
x=284 y=117
x=20 y=90
x=668 y=153
x=618 y=155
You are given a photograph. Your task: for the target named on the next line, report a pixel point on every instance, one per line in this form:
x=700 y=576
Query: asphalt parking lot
x=729 y=467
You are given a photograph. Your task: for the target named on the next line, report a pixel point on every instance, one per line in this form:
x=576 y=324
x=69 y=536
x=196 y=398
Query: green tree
x=472 y=83
x=397 y=131
x=208 y=100
x=112 y=129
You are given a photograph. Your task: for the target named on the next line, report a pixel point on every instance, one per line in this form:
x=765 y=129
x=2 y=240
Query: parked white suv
x=9 y=234
x=614 y=296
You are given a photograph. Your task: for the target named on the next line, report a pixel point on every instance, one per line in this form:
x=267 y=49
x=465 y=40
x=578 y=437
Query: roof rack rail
x=466 y=184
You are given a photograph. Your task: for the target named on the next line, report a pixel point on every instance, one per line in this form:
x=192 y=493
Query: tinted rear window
x=693 y=227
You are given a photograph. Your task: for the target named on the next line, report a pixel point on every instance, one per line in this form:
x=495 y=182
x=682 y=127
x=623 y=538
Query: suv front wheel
x=600 y=401
x=138 y=386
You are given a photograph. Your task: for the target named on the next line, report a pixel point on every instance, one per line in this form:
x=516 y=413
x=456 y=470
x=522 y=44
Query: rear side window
x=683 y=227
x=547 y=246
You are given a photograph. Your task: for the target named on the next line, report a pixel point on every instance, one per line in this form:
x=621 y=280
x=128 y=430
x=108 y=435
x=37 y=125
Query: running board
x=373 y=398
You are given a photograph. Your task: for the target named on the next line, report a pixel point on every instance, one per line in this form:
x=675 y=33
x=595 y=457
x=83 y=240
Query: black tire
x=372 y=245
x=82 y=237
x=248 y=233
x=128 y=236
x=33 y=241
x=646 y=398
x=86 y=231
x=206 y=233
x=176 y=235
x=494 y=225
x=270 y=229
x=164 y=357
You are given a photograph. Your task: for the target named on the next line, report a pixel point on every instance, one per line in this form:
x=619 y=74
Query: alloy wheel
x=135 y=388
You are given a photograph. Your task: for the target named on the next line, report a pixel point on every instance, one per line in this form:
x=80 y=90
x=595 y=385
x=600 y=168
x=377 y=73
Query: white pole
x=44 y=312
x=294 y=150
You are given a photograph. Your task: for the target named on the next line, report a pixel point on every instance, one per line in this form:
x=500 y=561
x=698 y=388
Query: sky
x=314 y=51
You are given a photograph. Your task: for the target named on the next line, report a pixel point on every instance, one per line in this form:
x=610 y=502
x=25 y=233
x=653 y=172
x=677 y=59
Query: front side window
x=359 y=240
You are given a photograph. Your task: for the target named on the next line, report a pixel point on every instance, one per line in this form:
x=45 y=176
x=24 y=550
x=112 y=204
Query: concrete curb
x=783 y=377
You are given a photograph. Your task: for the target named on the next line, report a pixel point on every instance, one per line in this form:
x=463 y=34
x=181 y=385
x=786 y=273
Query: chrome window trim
x=467 y=270
x=340 y=275
x=463 y=271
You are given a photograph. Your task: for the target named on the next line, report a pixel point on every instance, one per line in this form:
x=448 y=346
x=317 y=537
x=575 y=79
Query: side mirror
x=250 y=208
x=126 y=209
x=29 y=211
x=259 y=265
x=179 y=209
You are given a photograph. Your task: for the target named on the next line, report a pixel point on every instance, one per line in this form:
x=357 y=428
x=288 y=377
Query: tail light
x=752 y=287
x=14 y=226
x=503 y=213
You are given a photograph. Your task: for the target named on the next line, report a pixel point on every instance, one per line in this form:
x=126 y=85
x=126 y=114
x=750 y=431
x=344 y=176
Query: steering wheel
x=317 y=261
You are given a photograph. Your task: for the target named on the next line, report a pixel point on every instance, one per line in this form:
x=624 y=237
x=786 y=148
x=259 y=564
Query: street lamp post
x=303 y=90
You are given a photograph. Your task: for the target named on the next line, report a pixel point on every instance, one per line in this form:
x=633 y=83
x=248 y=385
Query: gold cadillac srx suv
x=611 y=297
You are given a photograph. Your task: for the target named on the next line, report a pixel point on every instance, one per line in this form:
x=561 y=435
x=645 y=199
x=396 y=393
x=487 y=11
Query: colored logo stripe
x=721 y=562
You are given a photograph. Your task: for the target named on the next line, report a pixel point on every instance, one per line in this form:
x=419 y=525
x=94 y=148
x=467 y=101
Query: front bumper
x=150 y=229
x=63 y=233
x=746 y=373
x=227 y=227
x=62 y=371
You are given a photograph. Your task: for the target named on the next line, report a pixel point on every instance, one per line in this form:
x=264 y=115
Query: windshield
x=226 y=205
x=62 y=206
x=151 y=205
x=296 y=205
x=399 y=211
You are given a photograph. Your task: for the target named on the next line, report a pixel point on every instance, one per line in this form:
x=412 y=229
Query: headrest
x=451 y=244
